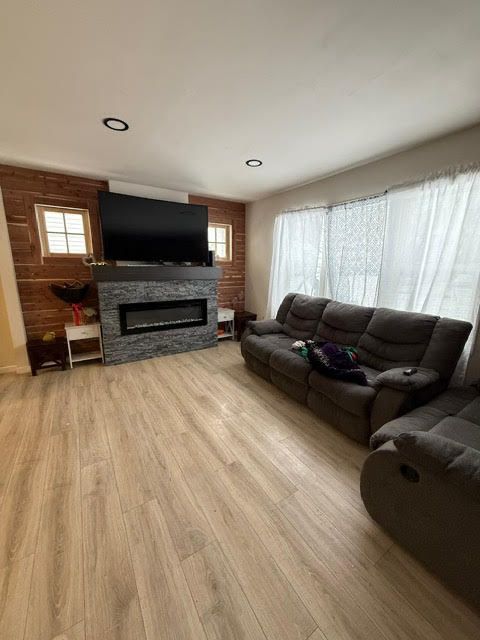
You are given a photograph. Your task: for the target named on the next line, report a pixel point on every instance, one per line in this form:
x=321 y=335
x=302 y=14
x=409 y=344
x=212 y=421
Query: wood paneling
x=231 y=288
x=22 y=189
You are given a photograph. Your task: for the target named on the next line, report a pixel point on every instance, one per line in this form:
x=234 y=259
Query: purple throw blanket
x=331 y=360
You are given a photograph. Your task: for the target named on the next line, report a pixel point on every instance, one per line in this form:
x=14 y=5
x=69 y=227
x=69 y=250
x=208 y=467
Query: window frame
x=228 y=240
x=41 y=209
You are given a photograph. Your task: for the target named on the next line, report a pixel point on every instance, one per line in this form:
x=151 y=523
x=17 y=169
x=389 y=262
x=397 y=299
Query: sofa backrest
x=385 y=338
x=446 y=346
x=299 y=315
x=343 y=323
x=395 y=339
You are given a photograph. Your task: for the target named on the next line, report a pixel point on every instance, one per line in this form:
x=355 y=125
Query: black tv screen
x=146 y=230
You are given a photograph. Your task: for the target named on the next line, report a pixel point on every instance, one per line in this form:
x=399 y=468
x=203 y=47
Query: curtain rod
x=335 y=204
x=450 y=171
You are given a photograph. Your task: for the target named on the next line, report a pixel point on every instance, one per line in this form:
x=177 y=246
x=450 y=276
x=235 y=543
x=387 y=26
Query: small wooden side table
x=84 y=332
x=241 y=319
x=44 y=355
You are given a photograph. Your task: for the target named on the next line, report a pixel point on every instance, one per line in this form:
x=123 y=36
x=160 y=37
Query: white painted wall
x=144 y=191
x=13 y=353
x=459 y=148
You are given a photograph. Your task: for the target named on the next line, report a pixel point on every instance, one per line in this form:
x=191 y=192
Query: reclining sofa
x=422 y=485
x=387 y=342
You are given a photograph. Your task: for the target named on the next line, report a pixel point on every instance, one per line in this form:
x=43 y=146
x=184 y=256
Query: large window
x=415 y=248
x=63 y=231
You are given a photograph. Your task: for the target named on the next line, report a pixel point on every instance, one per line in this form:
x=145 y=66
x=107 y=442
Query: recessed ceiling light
x=254 y=163
x=115 y=123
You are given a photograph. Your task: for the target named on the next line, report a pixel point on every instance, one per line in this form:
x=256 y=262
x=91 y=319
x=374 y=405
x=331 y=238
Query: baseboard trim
x=23 y=369
x=12 y=368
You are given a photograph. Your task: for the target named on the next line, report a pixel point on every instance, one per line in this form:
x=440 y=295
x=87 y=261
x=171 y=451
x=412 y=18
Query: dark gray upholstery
x=450 y=402
x=397 y=379
x=302 y=317
x=387 y=342
x=343 y=323
x=263 y=346
x=289 y=363
x=423 y=486
x=395 y=339
x=352 y=397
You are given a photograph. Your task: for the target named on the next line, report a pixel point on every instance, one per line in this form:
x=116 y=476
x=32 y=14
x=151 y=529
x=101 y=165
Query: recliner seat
x=387 y=342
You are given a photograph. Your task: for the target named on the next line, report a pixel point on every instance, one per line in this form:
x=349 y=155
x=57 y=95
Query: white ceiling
x=308 y=86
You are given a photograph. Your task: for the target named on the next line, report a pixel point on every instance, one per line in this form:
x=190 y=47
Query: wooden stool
x=241 y=319
x=44 y=355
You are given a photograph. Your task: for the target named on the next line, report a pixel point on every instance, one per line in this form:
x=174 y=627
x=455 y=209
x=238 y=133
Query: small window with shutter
x=63 y=231
x=220 y=241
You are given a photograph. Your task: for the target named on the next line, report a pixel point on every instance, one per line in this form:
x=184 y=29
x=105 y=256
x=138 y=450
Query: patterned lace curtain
x=355 y=232
x=298 y=258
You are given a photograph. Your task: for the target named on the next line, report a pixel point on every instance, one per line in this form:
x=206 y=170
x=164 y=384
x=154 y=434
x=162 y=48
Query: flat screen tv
x=146 y=230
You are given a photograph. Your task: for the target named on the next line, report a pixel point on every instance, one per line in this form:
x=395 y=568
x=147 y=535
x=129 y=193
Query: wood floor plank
x=167 y=607
x=243 y=512
x=318 y=635
x=447 y=613
x=223 y=607
x=75 y=633
x=277 y=606
x=93 y=440
x=15 y=579
x=187 y=525
x=12 y=427
x=393 y=613
x=57 y=595
x=111 y=599
x=21 y=511
x=334 y=610
x=275 y=484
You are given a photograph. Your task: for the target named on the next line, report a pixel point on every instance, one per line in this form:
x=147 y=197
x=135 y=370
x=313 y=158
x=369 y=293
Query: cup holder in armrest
x=409 y=473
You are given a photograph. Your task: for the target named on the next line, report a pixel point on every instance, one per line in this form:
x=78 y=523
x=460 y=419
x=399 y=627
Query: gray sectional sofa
x=387 y=341
x=422 y=485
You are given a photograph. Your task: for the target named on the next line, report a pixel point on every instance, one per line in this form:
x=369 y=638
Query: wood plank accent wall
x=231 y=288
x=22 y=189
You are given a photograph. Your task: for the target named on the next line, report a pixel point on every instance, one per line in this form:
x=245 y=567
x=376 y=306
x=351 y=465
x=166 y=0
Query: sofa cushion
x=371 y=375
x=353 y=398
x=343 y=323
x=472 y=411
x=262 y=347
x=395 y=339
x=284 y=307
x=303 y=316
x=291 y=364
x=460 y=430
x=446 y=346
x=263 y=327
x=425 y=418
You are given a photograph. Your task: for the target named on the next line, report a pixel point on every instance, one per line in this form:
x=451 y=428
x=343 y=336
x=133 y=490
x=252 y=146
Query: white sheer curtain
x=431 y=260
x=298 y=256
x=417 y=249
x=355 y=233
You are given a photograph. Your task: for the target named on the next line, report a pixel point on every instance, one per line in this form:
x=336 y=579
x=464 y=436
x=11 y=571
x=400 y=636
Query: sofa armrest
x=263 y=327
x=396 y=379
x=456 y=462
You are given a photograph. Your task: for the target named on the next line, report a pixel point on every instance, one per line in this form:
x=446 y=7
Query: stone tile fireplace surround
x=149 y=334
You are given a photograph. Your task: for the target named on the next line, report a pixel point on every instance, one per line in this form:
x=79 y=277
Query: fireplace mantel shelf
x=148 y=273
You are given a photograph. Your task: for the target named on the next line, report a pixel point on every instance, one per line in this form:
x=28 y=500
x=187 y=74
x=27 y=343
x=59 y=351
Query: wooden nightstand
x=44 y=355
x=226 y=317
x=84 y=332
x=241 y=320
